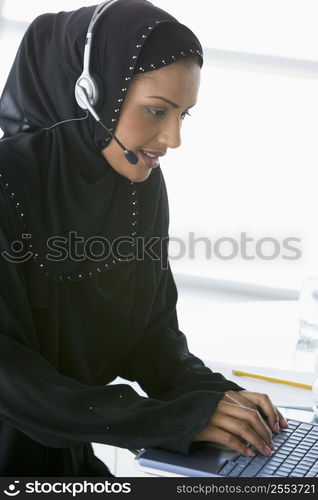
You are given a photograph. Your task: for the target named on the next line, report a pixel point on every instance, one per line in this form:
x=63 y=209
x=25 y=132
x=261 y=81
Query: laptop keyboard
x=295 y=455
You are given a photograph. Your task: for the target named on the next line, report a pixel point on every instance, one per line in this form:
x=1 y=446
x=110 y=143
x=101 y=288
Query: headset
x=87 y=89
x=86 y=81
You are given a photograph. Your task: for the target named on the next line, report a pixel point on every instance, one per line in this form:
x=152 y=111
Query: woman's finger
x=237 y=398
x=274 y=417
x=251 y=417
x=248 y=401
x=282 y=420
x=220 y=436
x=242 y=429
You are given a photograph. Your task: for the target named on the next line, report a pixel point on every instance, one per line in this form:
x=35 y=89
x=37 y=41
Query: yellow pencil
x=271 y=379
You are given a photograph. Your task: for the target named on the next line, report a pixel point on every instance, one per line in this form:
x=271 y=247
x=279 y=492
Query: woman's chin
x=138 y=173
x=135 y=173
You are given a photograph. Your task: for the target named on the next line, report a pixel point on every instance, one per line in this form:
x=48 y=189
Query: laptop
x=295 y=455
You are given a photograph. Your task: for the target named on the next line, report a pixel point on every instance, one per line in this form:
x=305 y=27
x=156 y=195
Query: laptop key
x=313 y=452
x=293 y=460
x=311 y=474
x=309 y=441
x=281 y=473
x=275 y=461
x=270 y=468
x=227 y=468
x=285 y=470
x=251 y=470
x=307 y=462
x=281 y=455
x=301 y=470
x=260 y=459
x=310 y=459
x=244 y=460
x=305 y=426
x=266 y=472
x=237 y=470
x=302 y=451
x=293 y=423
x=296 y=455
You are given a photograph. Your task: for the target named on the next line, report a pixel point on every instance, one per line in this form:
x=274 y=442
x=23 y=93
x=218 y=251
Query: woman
x=74 y=317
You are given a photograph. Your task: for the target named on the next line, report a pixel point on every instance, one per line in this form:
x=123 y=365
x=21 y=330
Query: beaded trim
x=183 y=53
x=105 y=267
x=126 y=79
x=17 y=204
x=131 y=68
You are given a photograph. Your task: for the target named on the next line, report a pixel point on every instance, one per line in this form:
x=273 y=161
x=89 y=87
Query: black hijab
x=63 y=184
x=68 y=328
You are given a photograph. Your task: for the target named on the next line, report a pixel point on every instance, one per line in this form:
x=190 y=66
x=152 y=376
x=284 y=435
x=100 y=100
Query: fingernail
x=267 y=450
x=250 y=453
x=285 y=422
x=272 y=446
x=276 y=427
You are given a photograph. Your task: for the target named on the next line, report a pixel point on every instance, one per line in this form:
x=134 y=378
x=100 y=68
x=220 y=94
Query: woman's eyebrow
x=173 y=104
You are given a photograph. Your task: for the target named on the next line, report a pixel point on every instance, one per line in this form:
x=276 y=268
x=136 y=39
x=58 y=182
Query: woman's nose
x=170 y=135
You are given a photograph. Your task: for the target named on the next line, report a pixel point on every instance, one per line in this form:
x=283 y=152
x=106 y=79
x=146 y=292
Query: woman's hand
x=239 y=419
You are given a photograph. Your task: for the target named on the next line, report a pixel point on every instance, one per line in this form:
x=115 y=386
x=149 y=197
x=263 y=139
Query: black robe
x=70 y=327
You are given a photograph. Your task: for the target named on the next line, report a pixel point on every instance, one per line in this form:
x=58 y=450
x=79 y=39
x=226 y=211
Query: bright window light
x=27 y=11
x=286 y=28
x=247 y=165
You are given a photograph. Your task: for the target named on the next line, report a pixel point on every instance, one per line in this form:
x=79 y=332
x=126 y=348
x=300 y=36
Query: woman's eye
x=159 y=113
x=186 y=113
x=156 y=112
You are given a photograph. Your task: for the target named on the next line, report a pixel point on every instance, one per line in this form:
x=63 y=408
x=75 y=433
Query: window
x=27 y=11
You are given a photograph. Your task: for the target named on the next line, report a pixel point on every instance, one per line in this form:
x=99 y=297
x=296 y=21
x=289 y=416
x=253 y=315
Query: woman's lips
x=151 y=159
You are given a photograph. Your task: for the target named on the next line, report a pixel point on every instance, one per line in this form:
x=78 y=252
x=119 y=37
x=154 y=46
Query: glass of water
x=307 y=345
x=314 y=392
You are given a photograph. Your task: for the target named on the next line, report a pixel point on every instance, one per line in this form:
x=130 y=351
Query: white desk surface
x=252 y=333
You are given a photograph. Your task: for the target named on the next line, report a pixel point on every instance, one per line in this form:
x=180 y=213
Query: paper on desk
x=280 y=394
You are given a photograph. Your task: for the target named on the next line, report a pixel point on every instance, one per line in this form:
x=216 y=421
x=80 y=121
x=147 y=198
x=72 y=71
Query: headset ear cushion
x=98 y=91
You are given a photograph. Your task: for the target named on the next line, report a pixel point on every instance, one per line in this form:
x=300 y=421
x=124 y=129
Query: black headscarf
x=69 y=328
x=64 y=184
x=168 y=43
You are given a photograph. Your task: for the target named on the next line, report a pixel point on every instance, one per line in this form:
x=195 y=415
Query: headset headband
x=99 y=11
x=86 y=81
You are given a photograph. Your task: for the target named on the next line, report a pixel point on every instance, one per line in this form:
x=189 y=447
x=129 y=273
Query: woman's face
x=151 y=117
